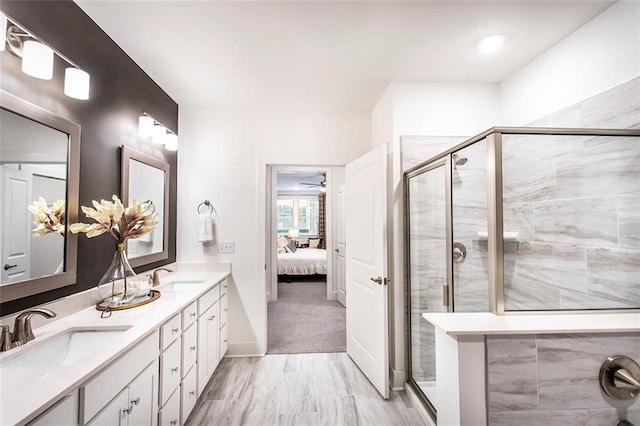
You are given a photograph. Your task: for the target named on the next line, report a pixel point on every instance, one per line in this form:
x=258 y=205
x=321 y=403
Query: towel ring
x=206 y=204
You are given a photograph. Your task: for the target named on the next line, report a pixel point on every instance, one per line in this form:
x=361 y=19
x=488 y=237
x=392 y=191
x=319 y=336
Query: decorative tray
x=134 y=303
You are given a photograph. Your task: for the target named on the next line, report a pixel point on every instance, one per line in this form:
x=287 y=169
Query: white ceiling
x=327 y=54
x=295 y=182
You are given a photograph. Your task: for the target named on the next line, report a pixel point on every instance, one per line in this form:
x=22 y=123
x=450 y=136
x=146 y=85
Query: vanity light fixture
x=171 y=142
x=159 y=134
x=38 y=58
x=3 y=31
x=76 y=83
x=491 y=43
x=149 y=127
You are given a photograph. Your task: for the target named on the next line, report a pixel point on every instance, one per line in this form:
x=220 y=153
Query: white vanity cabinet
x=64 y=412
x=125 y=391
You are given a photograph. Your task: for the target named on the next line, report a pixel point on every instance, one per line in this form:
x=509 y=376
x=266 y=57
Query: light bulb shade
x=171 y=142
x=37 y=60
x=3 y=31
x=145 y=126
x=76 y=83
x=293 y=233
x=159 y=134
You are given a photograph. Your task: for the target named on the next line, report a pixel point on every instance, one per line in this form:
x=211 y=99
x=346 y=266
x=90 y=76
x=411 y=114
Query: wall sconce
x=38 y=58
x=149 y=127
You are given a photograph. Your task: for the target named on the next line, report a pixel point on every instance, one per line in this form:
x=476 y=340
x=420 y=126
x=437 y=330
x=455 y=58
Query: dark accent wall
x=120 y=91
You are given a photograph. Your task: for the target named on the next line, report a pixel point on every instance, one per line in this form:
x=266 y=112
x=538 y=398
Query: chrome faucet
x=22 y=331
x=155 y=279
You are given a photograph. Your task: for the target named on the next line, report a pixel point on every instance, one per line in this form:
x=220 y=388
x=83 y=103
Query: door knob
x=379 y=280
x=337 y=250
x=7 y=266
x=459 y=252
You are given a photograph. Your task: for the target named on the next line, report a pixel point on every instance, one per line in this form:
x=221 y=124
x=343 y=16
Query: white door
x=16 y=232
x=340 y=250
x=366 y=266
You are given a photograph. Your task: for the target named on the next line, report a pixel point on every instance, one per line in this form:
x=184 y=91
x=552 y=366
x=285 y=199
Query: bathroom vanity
x=146 y=365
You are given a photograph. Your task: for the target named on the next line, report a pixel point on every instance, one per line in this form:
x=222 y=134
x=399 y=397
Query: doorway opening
x=303 y=313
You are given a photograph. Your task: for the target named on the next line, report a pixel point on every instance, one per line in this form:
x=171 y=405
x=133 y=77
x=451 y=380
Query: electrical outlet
x=226 y=246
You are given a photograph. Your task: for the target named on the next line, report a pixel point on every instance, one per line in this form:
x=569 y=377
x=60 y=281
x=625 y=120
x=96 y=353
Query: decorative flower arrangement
x=122 y=223
x=47 y=219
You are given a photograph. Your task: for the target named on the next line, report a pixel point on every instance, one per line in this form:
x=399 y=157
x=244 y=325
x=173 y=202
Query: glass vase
x=116 y=287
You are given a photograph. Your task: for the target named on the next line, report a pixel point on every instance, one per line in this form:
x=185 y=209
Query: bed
x=304 y=261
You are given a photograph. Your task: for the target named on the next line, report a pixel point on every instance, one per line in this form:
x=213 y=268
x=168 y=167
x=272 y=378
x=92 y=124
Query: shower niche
x=521 y=220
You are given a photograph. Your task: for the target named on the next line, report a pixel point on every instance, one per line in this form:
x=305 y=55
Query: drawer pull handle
x=175 y=330
x=173 y=422
x=174 y=369
x=135 y=401
x=193 y=348
x=192 y=393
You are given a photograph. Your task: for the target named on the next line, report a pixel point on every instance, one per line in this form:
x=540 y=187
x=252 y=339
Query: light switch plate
x=226 y=246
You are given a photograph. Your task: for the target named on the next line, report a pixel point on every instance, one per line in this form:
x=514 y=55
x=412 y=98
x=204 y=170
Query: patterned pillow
x=314 y=243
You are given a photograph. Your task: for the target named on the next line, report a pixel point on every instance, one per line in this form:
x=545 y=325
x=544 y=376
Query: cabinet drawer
x=170 y=414
x=208 y=299
x=101 y=389
x=189 y=348
x=223 y=341
x=170 y=370
x=223 y=310
x=170 y=331
x=189 y=315
x=189 y=394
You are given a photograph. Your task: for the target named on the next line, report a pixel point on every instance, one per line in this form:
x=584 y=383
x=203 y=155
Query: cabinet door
x=143 y=397
x=188 y=393
x=208 y=335
x=189 y=348
x=223 y=341
x=114 y=413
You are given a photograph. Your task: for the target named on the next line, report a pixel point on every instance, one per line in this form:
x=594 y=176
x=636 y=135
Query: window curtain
x=322 y=228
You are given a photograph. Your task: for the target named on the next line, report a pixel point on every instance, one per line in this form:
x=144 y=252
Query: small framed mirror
x=39 y=175
x=145 y=178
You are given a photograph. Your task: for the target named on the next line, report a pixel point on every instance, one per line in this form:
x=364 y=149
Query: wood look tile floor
x=298 y=390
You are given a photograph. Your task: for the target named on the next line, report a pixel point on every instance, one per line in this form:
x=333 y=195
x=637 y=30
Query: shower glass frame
x=495 y=236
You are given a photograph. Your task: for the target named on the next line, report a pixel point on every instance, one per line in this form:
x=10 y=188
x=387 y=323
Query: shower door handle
x=459 y=252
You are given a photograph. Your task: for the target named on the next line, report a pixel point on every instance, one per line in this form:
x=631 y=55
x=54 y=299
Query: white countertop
x=478 y=323
x=25 y=392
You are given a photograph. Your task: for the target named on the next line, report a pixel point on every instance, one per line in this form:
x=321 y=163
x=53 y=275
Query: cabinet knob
x=192 y=393
x=212 y=317
x=175 y=330
x=225 y=309
x=173 y=422
x=192 y=314
x=127 y=410
x=193 y=348
x=135 y=401
x=175 y=369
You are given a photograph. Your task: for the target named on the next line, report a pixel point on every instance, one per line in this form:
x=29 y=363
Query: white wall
x=602 y=54
x=222 y=157
x=382 y=119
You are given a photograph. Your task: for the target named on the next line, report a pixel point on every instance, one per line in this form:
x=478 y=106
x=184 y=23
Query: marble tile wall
x=553 y=379
x=575 y=203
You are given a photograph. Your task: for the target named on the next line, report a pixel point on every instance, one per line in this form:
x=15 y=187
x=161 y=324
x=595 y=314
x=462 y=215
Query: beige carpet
x=302 y=320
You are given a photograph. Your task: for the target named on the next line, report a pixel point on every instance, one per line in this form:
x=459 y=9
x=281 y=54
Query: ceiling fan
x=322 y=185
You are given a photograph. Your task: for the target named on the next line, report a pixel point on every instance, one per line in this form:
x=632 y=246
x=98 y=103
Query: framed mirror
x=145 y=178
x=39 y=160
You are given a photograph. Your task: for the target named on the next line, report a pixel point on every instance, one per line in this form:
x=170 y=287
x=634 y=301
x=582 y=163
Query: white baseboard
x=243 y=350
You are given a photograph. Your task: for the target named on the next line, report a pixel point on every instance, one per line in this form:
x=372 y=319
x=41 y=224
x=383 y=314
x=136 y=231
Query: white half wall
x=222 y=158
x=602 y=54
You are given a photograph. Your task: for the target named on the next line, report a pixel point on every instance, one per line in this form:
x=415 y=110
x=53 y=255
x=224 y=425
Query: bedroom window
x=297 y=212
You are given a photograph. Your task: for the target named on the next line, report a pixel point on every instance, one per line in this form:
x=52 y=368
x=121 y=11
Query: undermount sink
x=63 y=349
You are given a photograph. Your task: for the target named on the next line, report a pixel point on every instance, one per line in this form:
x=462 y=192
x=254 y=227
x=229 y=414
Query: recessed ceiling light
x=492 y=43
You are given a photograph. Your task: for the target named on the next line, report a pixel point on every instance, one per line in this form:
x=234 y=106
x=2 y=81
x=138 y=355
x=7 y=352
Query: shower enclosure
x=521 y=220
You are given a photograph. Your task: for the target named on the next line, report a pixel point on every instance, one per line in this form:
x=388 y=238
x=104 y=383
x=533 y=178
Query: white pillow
x=282 y=242
x=314 y=242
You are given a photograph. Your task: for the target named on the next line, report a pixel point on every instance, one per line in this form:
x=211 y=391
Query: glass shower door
x=427 y=269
